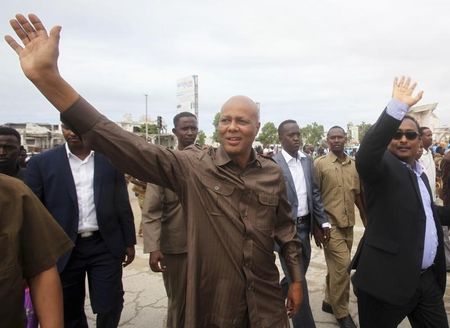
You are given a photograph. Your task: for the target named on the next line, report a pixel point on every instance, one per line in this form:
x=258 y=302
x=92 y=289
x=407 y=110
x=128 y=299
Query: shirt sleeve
x=397 y=109
x=286 y=236
x=152 y=211
x=128 y=152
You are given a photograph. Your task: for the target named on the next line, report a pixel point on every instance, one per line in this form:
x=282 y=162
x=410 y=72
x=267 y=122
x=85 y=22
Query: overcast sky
x=326 y=61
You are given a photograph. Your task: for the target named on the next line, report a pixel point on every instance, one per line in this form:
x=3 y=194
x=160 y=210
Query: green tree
x=215 y=135
x=362 y=130
x=312 y=133
x=268 y=135
x=201 y=137
x=152 y=128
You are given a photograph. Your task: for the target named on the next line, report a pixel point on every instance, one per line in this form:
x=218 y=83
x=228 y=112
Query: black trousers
x=424 y=310
x=304 y=317
x=91 y=257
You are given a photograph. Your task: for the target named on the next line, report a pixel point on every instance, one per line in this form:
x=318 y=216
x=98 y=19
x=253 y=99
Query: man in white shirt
x=88 y=197
x=307 y=206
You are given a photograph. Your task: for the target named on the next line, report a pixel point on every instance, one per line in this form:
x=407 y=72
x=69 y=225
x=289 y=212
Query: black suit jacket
x=389 y=257
x=50 y=177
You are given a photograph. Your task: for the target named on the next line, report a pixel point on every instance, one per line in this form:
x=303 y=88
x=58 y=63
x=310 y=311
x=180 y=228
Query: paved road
x=146 y=301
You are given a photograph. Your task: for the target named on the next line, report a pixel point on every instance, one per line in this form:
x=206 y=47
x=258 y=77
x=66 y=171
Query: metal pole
x=146 y=124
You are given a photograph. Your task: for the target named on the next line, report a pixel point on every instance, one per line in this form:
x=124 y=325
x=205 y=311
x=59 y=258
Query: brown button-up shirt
x=30 y=242
x=339 y=184
x=233 y=216
x=163 y=221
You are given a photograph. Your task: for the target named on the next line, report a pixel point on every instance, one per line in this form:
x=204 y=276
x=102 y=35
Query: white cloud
x=326 y=61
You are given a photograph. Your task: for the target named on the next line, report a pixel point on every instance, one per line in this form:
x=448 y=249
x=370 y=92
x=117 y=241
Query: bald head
x=238 y=127
x=244 y=103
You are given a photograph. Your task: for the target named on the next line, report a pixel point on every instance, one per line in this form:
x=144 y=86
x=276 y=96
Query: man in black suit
x=400 y=267
x=88 y=197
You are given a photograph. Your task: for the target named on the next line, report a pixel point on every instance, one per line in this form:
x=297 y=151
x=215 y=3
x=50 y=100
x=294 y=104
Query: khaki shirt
x=339 y=184
x=234 y=216
x=30 y=242
x=163 y=221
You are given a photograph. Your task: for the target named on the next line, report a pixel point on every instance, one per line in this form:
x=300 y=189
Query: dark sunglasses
x=410 y=135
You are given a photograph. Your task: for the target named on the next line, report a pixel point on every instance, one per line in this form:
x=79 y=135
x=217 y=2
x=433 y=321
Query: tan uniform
x=164 y=227
x=30 y=242
x=339 y=184
x=234 y=216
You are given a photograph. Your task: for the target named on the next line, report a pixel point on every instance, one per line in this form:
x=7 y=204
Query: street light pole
x=146 y=122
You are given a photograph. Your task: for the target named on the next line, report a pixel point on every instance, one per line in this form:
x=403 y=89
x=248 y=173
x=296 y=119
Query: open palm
x=39 y=53
x=403 y=91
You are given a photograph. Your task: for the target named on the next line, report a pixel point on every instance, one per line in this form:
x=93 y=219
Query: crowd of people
x=213 y=217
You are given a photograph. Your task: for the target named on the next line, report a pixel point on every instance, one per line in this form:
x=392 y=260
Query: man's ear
x=258 y=125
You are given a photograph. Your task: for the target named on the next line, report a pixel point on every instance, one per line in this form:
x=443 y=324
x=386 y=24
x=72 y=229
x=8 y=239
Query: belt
x=303 y=219
x=87 y=234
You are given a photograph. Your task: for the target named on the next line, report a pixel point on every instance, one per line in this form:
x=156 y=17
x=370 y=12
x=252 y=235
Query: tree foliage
x=268 y=135
x=215 y=135
x=201 y=138
x=312 y=134
x=152 y=128
x=362 y=130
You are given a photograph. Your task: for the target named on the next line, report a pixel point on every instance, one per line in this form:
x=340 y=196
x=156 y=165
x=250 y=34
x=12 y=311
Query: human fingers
x=37 y=23
x=412 y=87
x=20 y=32
x=13 y=44
x=407 y=82
x=418 y=97
x=26 y=26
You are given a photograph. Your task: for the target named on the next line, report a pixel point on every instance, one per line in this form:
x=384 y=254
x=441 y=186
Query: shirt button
x=249 y=287
x=216 y=188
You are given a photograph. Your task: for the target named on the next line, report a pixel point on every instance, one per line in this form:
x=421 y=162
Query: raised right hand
x=39 y=54
x=403 y=91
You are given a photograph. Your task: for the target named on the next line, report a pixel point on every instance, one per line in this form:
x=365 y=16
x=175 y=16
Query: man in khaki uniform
x=164 y=228
x=339 y=184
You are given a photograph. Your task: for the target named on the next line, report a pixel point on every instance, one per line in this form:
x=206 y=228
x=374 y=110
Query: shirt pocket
x=218 y=197
x=266 y=211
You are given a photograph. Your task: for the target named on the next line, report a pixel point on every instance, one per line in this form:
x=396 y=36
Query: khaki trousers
x=175 y=283
x=337 y=282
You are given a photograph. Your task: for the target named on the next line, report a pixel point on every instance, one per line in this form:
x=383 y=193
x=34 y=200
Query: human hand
x=129 y=256
x=403 y=91
x=39 y=54
x=294 y=298
x=319 y=236
x=156 y=261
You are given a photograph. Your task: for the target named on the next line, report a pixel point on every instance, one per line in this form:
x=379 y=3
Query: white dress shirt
x=83 y=177
x=295 y=166
x=430 y=169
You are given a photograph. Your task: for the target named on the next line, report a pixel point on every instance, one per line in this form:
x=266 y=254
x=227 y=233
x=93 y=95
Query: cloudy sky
x=325 y=61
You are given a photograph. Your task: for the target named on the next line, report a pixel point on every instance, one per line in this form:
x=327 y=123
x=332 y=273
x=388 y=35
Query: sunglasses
x=410 y=135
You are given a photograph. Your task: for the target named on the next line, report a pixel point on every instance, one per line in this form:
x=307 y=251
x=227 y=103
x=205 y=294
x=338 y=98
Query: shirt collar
x=334 y=158
x=70 y=154
x=288 y=157
x=221 y=157
x=417 y=168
